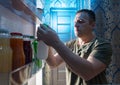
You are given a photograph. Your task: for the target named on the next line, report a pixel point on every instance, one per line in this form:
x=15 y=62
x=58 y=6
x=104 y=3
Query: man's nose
x=76 y=25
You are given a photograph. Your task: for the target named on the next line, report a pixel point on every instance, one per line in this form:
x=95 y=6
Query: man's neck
x=82 y=41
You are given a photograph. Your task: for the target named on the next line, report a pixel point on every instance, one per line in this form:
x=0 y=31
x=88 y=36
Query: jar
x=5 y=52
x=18 y=58
x=16 y=43
x=27 y=46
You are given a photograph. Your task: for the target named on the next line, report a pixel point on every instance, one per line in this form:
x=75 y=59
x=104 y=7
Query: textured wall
x=108 y=26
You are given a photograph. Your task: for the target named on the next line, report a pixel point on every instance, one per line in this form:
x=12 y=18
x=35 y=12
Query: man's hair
x=90 y=13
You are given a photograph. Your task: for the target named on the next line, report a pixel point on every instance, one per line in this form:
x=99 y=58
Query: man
x=86 y=57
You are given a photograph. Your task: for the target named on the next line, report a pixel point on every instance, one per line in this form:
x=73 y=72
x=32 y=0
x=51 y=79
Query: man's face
x=82 y=27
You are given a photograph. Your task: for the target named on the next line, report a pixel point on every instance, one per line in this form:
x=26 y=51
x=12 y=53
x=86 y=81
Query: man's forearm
x=53 y=59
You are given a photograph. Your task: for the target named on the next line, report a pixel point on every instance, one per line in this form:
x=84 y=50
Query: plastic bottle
x=38 y=62
x=5 y=52
x=42 y=50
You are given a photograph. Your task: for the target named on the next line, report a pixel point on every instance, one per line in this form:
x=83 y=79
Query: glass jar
x=16 y=43
x=27 y=46
x=5 y=52
x=18 y=58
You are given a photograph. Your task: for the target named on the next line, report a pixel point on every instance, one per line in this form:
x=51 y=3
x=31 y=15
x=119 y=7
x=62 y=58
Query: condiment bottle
x=38 y=62
x=5 y=52
x=27 y=49
x=16 y=43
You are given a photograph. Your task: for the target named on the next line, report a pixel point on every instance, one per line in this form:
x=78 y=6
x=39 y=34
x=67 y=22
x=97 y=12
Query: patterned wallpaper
x=108 y=26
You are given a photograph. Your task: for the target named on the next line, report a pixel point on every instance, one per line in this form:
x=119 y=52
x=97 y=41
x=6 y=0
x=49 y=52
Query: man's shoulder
x=99 y=40
x=71 y=42
x=102 y=43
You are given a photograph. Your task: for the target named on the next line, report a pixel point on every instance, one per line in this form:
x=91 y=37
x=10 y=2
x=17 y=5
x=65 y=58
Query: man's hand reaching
x=47 y=34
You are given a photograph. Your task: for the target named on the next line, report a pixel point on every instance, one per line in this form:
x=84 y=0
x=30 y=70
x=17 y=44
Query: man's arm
x=86 y=69
x=53 y=59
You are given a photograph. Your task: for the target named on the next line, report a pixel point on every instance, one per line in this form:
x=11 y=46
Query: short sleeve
x=103 y=52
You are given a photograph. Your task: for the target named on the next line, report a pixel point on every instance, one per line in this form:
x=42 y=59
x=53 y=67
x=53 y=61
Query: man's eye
x=80 y=21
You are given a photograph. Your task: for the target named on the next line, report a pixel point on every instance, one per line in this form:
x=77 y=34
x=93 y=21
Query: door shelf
x=25 y=9
x=21 y=75
x=24 y=12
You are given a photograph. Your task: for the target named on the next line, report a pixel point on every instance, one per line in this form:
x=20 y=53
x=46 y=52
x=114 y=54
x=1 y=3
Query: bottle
x=38 y=62
x=27 y=46
x=18 y=58
x=5 y=52
x=42 y=50
x=16 y=43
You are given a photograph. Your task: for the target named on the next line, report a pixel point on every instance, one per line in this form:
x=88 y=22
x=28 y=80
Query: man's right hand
x=47 y=34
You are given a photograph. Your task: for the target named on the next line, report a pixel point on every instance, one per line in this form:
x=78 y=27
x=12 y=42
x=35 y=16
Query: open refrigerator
x=20 y=16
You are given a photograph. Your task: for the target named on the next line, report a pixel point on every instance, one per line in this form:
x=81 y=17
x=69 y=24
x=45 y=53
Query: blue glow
x=61 y=16
x=63 y=28
x=64 y=20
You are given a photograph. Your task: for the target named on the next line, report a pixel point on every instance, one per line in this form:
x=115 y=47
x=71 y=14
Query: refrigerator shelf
x=21 y=75
x=25 y=9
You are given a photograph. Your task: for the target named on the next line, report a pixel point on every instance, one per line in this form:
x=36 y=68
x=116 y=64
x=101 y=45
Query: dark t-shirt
x=98 y=48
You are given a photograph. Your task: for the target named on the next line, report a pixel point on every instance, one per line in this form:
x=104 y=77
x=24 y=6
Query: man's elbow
x=88 y=76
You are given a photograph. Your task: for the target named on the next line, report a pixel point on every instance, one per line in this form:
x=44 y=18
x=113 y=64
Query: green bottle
x=37 y=61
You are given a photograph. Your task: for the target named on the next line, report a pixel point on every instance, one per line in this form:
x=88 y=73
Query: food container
x=18 y=58
x=42 y=50
x=5 y=52
x=5 y=56
x=27 y=46
x=16 y=43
